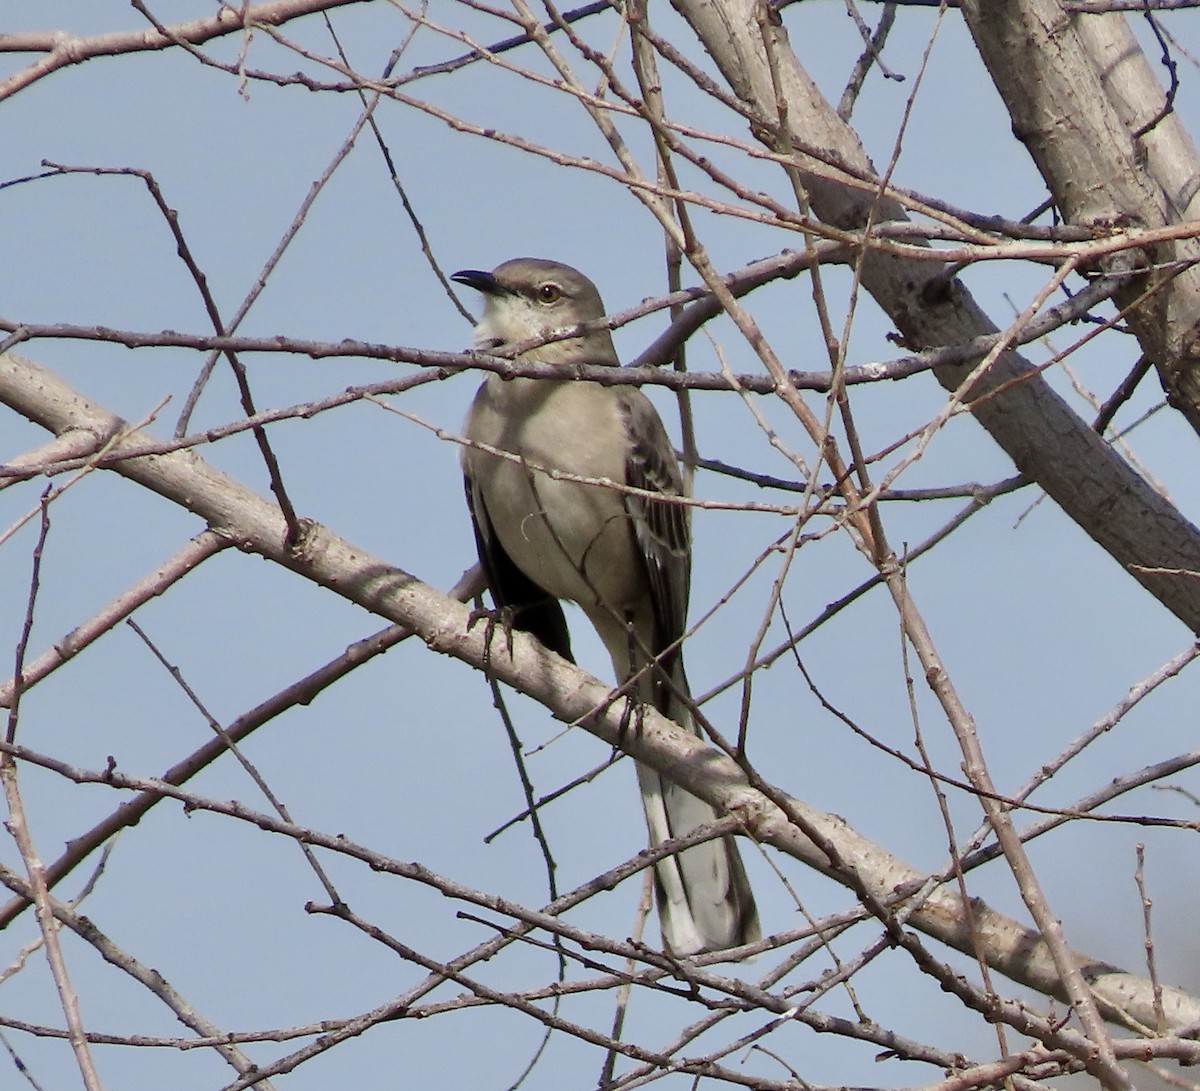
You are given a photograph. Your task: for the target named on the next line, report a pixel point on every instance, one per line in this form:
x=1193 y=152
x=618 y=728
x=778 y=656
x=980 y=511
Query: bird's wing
x=532 y=610
x=661 y=529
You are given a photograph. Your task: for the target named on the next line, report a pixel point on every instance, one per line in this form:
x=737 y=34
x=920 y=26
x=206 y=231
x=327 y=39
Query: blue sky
x=1040 y=630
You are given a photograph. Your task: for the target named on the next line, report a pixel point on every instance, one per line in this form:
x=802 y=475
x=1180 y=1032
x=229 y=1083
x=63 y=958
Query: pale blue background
x=1041 y=631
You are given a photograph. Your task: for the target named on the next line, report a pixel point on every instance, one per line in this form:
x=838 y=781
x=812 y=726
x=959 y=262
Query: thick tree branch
x=1086 y=105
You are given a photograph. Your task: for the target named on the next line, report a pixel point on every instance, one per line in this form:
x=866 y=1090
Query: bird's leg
x=631 y=714
x=504 y=615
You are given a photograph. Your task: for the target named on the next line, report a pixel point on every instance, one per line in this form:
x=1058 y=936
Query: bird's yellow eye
x=549 y=293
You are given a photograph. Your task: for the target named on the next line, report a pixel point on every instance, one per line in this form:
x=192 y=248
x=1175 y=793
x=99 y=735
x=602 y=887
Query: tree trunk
x=1086 y=105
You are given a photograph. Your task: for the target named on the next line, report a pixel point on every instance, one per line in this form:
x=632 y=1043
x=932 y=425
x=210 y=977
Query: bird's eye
x=549 y=293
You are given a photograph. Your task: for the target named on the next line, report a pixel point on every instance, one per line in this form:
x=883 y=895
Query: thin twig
x=1139 y=878
x=146 y=976
x=233 y=748
x=18 y=828
x=872 y=54
x=204 y=545
x=302 y=692
x=272 y=262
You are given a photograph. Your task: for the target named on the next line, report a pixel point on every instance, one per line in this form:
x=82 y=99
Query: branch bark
x=1089 y=110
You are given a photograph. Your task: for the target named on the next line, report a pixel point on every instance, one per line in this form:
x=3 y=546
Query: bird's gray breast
x=571 y=537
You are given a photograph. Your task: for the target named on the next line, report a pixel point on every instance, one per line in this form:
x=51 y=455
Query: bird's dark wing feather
x=532 y=610
x=661 y=530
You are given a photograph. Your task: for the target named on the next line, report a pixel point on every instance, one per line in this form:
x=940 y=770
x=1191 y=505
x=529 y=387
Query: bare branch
x=63 y=50
x=199 y=549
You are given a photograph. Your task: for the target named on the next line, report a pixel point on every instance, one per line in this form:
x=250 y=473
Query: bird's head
x=530 y=299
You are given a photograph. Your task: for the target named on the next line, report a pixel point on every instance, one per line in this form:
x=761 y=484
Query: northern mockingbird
x=625 y=559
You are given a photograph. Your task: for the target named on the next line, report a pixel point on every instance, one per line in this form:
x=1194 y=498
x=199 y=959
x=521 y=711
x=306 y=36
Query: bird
x=623 y=557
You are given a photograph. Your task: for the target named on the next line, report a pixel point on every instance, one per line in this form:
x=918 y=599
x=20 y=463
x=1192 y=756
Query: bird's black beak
x=479 y=280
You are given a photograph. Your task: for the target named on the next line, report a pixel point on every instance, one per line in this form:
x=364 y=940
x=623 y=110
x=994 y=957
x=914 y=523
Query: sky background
x=1040 y=630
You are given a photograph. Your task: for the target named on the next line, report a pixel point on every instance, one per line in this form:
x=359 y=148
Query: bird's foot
x=502 y=617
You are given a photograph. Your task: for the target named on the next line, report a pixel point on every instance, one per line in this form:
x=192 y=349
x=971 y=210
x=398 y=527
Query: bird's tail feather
x=704 y=898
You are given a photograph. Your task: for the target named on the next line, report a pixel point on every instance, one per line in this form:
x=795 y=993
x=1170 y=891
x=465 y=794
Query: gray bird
x=625 y=559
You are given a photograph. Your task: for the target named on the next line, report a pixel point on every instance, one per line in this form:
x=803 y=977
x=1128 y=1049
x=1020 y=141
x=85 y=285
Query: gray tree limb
x=1095 y=120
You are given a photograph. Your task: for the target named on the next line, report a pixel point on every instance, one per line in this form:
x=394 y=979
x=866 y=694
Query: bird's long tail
x=704 y=897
